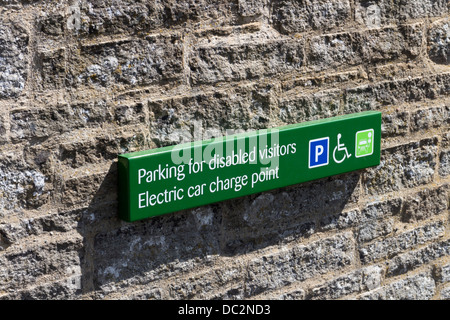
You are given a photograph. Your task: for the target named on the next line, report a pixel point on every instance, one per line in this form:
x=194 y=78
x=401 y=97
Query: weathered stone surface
x=376 y=219
x=416 y=258
x=439 y=42
x=129 y=63
x=51 y=69
x=205 y=116
x=300 y=16
x=152 y=249
x=445 y=293
x=418 y=287
x=341 y=221
x=25 y=267
x=365 y=279
x=245 y=60
x=347 y=49
x=374 y=14
x=444 y=156
x=299 y=263
x=12 y=233
x=434 y=117
x=394 y=124
x=296 y=108
x=286 y=214
x=90 y=18
x=392 y=246
x=14 y=51
x=404 y=166
x=21 y=186
x=425 y=204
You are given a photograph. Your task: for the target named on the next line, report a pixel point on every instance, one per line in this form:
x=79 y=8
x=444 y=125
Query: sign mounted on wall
x=174 y=178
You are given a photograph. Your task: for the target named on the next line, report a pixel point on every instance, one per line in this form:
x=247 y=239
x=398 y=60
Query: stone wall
x=83 y=81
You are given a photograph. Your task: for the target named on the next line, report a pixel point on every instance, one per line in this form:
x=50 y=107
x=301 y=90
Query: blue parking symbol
x=318 y=152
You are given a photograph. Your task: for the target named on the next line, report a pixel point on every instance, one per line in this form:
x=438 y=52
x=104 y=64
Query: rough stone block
x=358 y=281
x=46 y=122
x=205 y=116
x=444 y=156
x=299 y=16
x=395 y=245
x=411 y=260
x=14 y=52
x=287 y=214
x=403 y=166
x=24 y=267
x=376 y=221
x=417 y=287
x=374 y=229
x=394 y=123
x=410 y=9
x=245 y=60
x=50 y=69
x=444 y=272
x=66 y=289
x=300 y=108
x=373 y=46
x=445 y=293
x=21 y=186
x=341 y=220
x=81 y=187
x=210 y=283
x=439 y=42
x=434 y=117
x=153 y=250
x=425 y=204
x=395 y=92
x=284 y=267
x=140 y=17
x=12 y=233
x=374 y=14
x=127 y=63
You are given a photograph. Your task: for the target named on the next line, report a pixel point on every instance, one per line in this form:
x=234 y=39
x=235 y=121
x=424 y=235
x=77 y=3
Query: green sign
x=170 y=179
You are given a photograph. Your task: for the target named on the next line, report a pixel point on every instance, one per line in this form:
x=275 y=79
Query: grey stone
x=425 y=204
x=445 y=293
x=128 y=63
x=394 y=124
x=439 y=42
x=411 y=260
x=21 y=186
x=444 y=156
x=300 y=16
x=276 y=270
x=358 y=281
x=397 y=244
x=24 y=267
x=403 y=166
x=245 y=60
x=347 y=49
x=14 y=52
x=418 y=287
x=434 y=117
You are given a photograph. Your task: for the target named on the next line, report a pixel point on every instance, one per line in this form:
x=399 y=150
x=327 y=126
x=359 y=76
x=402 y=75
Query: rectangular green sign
x=184 y=176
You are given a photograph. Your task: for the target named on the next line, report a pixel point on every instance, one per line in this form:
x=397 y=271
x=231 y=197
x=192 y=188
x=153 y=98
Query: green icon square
x=364 y=143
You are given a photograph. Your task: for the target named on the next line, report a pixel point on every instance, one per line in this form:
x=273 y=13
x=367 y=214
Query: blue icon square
x=318 y=152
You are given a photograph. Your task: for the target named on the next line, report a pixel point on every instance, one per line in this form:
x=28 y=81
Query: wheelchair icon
x=340 y=147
